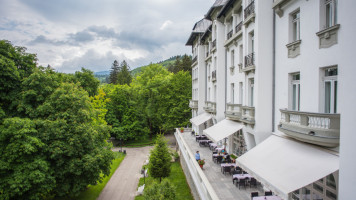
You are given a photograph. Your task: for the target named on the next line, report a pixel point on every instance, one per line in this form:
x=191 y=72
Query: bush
x=162 y=191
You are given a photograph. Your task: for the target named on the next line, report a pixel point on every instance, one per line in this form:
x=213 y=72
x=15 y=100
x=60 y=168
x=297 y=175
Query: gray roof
x=217 y=4
x=199 y=28
x=226 y=8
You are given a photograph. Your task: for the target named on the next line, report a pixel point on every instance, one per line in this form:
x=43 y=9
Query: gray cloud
x=72 y=34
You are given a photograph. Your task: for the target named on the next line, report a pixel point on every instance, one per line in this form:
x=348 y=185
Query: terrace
x=210 y=181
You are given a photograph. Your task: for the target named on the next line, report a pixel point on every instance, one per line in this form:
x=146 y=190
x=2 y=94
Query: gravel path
x=123 y=183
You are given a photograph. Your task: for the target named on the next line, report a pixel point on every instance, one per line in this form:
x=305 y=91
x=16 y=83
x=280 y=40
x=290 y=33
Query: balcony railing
x=316 y=128
x=248 y=114
x=249 y=10
x=193 y=104
x=213 y=75
x=213 y=44
x=198 y=177
x=250 y=60
x=233 y=111
x=229 y=34
x=194 y=59
x=238 y=27
x=210 y=107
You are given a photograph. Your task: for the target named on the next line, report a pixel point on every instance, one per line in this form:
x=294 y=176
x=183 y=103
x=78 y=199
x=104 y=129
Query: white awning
x=200 y=119
x=222 y=130
x=284 y=165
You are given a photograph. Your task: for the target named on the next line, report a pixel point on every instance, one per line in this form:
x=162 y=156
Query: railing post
x=287 y=117
x=304 y=120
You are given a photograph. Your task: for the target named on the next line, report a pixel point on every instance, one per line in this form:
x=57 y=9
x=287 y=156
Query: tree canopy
x=160 y=165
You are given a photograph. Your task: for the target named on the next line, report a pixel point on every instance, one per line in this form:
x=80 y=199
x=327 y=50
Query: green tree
x=36 y=88
x=87 y=81
x=124 y=76
x=15 y=65
x=176 y=101
x=123 y=114
x=25 y=173
x=162 y=191
x=160 y=165
x=76 y=145
x=114 y=72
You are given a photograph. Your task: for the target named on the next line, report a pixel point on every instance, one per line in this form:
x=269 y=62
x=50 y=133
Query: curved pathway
x=123 y=183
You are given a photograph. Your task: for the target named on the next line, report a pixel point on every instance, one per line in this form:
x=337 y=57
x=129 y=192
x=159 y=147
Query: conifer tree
x=114 y=72
x=124 y=75
x=160 y=165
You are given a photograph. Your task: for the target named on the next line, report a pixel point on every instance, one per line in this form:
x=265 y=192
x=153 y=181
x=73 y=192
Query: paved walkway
x=123 y=183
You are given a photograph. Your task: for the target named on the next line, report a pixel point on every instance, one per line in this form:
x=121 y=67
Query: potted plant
x=181 y=129
x=201 y=163
x=233 y=158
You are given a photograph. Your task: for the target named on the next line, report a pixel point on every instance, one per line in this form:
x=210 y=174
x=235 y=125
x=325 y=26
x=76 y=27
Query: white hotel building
x=273 y=83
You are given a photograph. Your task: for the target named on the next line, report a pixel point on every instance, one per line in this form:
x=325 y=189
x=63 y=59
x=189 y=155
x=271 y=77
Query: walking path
x=123 y=183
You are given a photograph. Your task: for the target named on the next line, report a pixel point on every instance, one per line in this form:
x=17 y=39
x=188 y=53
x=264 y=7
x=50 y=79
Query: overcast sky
x=70 y=34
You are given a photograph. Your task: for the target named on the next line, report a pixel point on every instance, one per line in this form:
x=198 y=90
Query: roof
x=206 y=33
x=226 y=8
x=217 y=4
x=199 y=28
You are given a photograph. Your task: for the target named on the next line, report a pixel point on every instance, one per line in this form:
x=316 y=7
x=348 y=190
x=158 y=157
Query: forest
x=54 y=127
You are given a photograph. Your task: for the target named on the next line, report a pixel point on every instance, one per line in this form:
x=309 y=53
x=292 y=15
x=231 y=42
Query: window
x=232 y=58
x=295 y=26
x=251 y=42
x=330 y=13
x=241 y=93
x=295 y=85
x=232 y=92
x=209 y=94
x=330 y=90
x=251 y=91
x=215 y=93
x=241 y=54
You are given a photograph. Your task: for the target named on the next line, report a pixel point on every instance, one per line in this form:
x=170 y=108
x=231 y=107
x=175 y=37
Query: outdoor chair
x=253 y=181
x=236 y=172
x=254 y=194
x=268 y=193
x=238 y=168
x=242 y=182
x=219 y=159
x=227 y=169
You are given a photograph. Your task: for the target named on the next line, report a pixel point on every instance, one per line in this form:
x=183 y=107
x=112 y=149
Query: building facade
x=280 y=72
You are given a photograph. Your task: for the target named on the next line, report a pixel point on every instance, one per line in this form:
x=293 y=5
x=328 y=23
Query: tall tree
x=160 y=165
x=124 y=76
x=87 y=81
x=115 y=68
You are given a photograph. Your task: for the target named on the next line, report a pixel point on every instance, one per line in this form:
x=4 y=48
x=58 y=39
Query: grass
x=94 y=191
x=177 y=178
x=137 y=143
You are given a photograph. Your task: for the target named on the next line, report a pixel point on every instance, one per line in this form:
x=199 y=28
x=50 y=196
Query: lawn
x=94 y=191
x=177 y=178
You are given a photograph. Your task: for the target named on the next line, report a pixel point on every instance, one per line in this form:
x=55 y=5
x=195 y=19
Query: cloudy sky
x=70 y=34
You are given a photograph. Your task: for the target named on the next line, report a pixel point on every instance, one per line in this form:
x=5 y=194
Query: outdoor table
x=267 y=198
x=204 y=142
x=200 y=137
x=241 y=176
x=212 y=145
x=227 y=165
x=219 y=149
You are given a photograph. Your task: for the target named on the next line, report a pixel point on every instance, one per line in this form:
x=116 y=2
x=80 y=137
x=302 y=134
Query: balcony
x=316 y=128
x=210 y=107
x=249 y=63
x=238 y=27
x=233 y=111
x=193 y=104
x=248 y=115
x=229 y=34
x=249 y=13
x=194 y=59
x=213 y=46
x=213 y=75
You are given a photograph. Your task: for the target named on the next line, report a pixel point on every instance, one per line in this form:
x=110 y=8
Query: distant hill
x=165 y=63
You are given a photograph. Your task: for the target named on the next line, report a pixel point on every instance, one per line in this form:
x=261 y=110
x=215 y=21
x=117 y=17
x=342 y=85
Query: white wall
x=347 y=94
